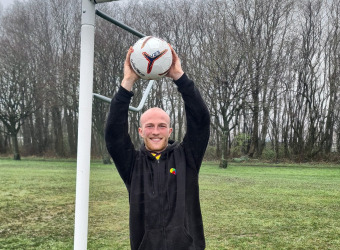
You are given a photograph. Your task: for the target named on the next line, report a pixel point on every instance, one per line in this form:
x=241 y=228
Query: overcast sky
x=6 y=3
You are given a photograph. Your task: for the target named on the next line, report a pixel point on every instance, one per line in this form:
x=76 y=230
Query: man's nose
x=155 y=130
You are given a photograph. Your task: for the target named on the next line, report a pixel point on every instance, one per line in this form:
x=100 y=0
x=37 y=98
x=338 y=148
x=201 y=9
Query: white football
x=151 y=58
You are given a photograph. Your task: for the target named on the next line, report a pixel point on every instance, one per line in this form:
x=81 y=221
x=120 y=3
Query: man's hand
x=130 y=76
x=175 y=71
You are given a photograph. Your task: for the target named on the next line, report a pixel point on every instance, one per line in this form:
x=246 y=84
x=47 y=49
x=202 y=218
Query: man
x=162 y=176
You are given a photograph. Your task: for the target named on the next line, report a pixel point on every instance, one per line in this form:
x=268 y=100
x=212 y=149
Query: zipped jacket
x=164 y=201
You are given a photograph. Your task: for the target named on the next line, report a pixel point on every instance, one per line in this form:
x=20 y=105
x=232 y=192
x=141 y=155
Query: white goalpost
x=84 y=123
x=85 y=115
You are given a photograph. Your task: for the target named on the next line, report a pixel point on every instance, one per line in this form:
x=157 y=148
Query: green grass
x=247 y=206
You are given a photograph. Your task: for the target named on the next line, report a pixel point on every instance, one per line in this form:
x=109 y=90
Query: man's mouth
x=156 y=139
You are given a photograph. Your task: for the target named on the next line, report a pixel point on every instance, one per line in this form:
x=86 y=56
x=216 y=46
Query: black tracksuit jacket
x=165 y=209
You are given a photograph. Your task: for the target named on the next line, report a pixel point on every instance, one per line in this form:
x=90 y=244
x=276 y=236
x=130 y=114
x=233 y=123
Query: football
x=151 y=58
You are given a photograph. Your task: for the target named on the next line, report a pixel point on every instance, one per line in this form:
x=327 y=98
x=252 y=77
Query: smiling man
x=162 y=176
x=155 y=129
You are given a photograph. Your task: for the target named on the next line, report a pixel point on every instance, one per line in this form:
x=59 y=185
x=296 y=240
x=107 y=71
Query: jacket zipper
x=160 y=192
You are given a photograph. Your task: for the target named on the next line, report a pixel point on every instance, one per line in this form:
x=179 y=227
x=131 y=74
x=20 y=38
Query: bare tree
x=218 y=66
x=66 y=25
x=108 y=69
x=268 y=71
x=309 y=86
x=260 y=29
x=17 y=86
x=332 y=66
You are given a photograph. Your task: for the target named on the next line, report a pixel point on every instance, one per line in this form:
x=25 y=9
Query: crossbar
x=119 y=24
x=141 y=103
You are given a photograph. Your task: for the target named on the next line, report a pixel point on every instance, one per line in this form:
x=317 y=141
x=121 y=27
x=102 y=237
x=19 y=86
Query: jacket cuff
x=124 y=95
x=184 y=78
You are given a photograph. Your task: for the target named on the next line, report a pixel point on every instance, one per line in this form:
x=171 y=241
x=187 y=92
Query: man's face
x=155 y=129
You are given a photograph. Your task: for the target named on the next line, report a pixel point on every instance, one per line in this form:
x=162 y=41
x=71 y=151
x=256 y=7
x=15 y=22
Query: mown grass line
x=246 y=206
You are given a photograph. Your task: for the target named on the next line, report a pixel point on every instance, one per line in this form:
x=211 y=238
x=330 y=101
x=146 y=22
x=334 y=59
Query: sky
x=6 y=3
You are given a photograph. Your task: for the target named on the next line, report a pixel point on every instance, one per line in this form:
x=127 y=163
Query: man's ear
x=170 y=131
x=140 y=131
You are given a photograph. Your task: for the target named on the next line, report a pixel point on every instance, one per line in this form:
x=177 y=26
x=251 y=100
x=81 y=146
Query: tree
x=219 y=72
x=108 y=68
x=309 y=85
x=16 y=84
x=332 y=62
x=268 y=71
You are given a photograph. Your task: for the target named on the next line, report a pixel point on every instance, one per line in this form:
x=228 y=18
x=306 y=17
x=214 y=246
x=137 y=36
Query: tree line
x=267 y=69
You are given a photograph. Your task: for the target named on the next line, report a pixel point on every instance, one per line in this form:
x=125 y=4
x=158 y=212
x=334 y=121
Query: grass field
x=247 y=206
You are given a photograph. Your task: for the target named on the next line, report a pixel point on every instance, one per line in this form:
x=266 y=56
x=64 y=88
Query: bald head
x=154 y=113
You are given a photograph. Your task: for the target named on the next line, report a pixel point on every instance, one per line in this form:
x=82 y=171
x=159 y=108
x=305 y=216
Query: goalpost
x=85 y=114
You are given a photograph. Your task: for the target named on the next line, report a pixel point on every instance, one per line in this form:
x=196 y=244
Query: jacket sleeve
x=198 y=120
x=118 y=141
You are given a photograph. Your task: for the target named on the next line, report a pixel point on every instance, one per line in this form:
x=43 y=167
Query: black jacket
x=165 y=210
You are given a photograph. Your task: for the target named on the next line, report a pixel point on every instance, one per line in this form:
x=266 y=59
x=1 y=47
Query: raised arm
x=118 y=141
x=198 y=120
x=197 y=115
